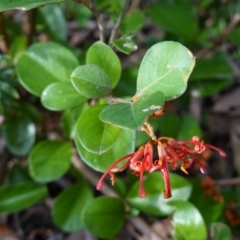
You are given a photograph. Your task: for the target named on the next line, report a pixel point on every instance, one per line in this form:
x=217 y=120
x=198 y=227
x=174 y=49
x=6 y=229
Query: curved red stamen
x=146 y=159
x=221 y=152
x=100 y=182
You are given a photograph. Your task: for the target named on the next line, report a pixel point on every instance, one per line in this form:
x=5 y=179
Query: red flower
x=169 y=151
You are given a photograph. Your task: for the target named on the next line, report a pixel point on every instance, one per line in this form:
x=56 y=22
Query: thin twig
x=119 y=20
x=205 y=51
x=137 y=222
x=99 y=17
x=228 y=182
x=29 y=24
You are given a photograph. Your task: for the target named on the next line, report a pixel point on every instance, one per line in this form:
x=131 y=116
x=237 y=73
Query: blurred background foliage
x=40 y=199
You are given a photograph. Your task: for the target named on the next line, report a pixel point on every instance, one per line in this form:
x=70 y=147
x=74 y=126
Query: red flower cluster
x=169 y=153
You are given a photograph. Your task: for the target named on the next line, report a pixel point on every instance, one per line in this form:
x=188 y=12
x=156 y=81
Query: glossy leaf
x=165 y=67
x=55 y=19
x=174 y=18
x=103 y=56
x=125 y=44
x=153 y=202
x=43 y=64
x=60 y=96
x=132 y=22
x=19 y=196
x=19 y=134
x=220 y=231
x=104 y=216
x=97 y=137
x=187 y=222
x=91 y=81
x=49 y=160
x=123 y=146
x=133 y=114
x=24 y=4
x=68 y=205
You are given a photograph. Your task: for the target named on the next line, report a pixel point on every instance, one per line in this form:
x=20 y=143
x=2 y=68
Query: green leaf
x=153 y=202
x=187 y=222
x=125 y=44
x=68 y=205
x=210 y=210
x=133 y=114
x=103 y=56
x=123 y=146
x=220 y=231
x=209 y=87
x=212 y=68
x=19 y=196
x=49 y=160
x=91 y=81
x=132 y=22
x=19 y=174
x=176 y=18
x=19 y=134
x=189 y=127
x=94 y=135
x=169 y=125
x=104 y=216
x=55 y=19
x=9 y=90
x=165 y=67
x=43 y=64
x=24 y=4
x=60 y=96
x=18 y=46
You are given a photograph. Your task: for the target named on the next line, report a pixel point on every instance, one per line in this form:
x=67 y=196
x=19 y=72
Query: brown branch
x=205 y=51
x=4 y=41
x=99 y=17
x=228 y=182
x=29 y=24
x=136 y=222
x=119 y=20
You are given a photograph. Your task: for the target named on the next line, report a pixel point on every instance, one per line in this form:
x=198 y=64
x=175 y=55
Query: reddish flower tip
x=99 y=185
x=142 y=193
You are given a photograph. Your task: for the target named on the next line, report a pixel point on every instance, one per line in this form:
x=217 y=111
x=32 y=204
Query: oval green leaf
x=165 y=67
x=43 y=64
x=95 y=135
x=103 y=56
x=91 y=81
x=24 y=4
x=49 y=160
x=104 y=216
x=56 y=22
x=133 y=114
x=60 y=96
x=220 y=231
x=174 y=18
x=132 y=22
x=123 y=146
x=125 y=45
x=68 y=205
x=19 y=196
x=188 y=223
x=19 y=134
x=153 y=202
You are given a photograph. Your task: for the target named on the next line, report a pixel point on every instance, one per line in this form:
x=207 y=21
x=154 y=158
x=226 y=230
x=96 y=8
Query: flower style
x=170 y=153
